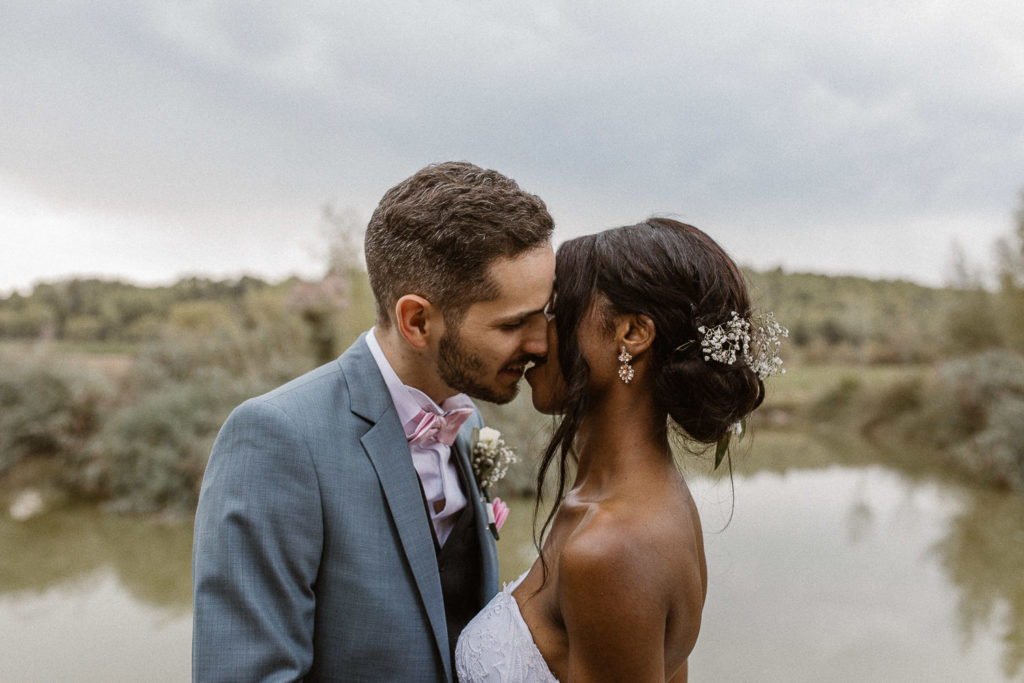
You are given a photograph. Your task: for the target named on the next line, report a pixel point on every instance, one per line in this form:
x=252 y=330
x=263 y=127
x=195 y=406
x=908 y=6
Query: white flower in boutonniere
x=491 y=459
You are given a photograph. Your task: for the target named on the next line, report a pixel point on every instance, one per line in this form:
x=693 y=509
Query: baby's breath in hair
x=767 y=341
x=736 y=338
x=726 y=342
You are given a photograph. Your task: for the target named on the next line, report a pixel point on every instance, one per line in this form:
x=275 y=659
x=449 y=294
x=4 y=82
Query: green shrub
x=152 y=452
x=975 y=414
x=972 y=324
x=150 y=456
x=901 y=397
x=996 y=453
x=985 y=408
x=45 y=412
x=836 y=400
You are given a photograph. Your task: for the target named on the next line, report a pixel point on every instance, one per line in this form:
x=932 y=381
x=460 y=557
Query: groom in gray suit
x=340 y=533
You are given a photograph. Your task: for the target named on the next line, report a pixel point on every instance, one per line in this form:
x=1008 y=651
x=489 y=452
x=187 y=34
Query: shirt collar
x=409 y=401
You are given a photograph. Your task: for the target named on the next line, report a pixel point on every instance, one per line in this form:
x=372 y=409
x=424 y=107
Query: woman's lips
x=532 y=367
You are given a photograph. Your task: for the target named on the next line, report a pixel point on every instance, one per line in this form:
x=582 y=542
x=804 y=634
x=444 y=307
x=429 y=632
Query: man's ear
x=635 y=332
x=417 y=320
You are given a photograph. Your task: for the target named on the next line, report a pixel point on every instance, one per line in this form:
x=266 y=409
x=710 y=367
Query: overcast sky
x=147 y=140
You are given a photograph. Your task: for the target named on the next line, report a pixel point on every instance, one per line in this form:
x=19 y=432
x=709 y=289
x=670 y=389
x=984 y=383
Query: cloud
x=813 y=123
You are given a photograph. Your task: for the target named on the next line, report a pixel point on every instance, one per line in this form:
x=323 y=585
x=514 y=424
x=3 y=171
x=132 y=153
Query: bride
x=642 y=318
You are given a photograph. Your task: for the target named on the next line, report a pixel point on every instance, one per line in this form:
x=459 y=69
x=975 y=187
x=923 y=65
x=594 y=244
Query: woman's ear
x=635 y=332
x=417 y=320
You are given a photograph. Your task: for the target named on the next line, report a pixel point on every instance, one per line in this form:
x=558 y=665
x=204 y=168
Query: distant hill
x=829 y=318
x=872 y=320
x=94 y=309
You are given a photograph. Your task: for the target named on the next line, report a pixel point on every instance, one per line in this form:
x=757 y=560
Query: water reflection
x=983 y=552
x=92 y=629
x=795 y=596
x=827 y=572
x=90 y=597
x=981 y=544
x=152 y=560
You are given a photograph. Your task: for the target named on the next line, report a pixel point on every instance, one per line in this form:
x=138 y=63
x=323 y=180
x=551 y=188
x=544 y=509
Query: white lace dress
x=496 y=646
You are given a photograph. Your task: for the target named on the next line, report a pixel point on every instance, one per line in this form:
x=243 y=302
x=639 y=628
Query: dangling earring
x=625 y=370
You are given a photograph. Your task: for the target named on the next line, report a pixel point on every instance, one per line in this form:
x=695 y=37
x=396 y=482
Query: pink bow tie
x=441 y=428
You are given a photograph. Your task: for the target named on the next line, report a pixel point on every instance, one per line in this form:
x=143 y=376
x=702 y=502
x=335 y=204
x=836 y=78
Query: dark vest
x=458 y=562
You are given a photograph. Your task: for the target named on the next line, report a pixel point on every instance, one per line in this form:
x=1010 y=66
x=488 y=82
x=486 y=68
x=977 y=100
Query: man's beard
x=463 y=371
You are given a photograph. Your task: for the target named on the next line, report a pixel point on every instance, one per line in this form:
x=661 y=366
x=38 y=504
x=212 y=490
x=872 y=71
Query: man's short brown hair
x=436 y=233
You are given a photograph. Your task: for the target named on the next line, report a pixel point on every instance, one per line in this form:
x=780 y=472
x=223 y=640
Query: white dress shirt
x=434 y=465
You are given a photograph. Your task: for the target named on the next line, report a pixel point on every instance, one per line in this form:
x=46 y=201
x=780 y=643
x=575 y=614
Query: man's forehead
x=522 y=283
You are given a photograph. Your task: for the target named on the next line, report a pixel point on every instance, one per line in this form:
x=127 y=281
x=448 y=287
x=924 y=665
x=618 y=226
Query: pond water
x=92 y=597
x=860 y=574
x=824 y=573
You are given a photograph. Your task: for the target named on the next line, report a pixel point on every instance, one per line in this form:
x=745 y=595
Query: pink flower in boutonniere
x=490 y=460
x=500 y=511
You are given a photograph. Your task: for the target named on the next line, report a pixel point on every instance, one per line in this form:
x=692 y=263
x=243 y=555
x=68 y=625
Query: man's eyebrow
x=522 y=315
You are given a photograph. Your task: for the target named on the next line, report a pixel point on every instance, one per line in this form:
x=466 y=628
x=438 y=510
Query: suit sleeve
x=256 y=551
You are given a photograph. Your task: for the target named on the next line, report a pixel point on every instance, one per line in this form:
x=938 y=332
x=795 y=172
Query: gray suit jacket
x=313 y=556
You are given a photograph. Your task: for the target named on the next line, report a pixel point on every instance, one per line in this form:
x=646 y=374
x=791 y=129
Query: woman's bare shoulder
x=621 y=581
x=634 y=545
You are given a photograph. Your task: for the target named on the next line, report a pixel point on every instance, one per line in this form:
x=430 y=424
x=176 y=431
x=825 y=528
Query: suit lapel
x=388 y=450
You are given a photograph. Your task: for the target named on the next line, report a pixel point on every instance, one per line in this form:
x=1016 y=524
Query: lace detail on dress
x=496 y=646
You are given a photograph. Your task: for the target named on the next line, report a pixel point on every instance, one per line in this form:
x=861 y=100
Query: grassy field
x=804 y=385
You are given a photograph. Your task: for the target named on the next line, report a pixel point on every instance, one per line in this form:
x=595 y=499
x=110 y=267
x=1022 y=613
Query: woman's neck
x=618 y=439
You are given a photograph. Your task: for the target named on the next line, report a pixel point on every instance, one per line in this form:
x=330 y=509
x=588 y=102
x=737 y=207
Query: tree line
x=189 y=352
x=829 y=318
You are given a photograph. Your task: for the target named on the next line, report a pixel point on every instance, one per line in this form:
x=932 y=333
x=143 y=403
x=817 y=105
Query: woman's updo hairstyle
x=681 y=279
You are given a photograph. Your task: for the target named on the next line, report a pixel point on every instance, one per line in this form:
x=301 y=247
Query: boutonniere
x=490 y=459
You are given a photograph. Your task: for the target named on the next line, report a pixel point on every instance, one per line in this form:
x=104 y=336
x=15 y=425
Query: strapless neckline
x=497 y=646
